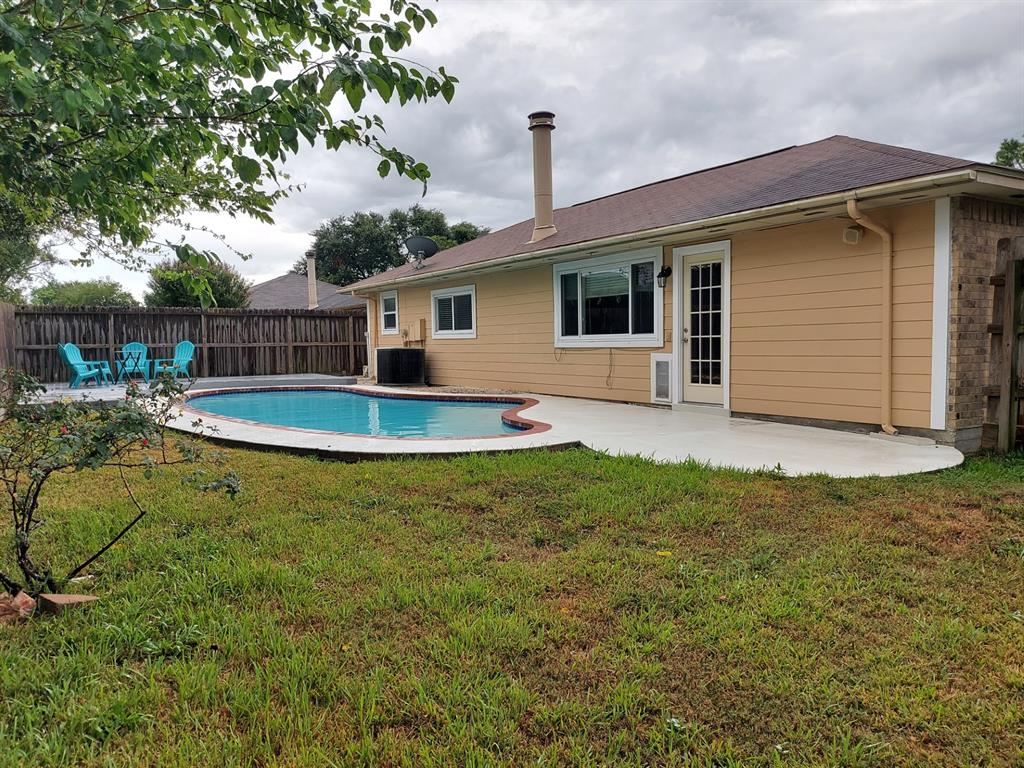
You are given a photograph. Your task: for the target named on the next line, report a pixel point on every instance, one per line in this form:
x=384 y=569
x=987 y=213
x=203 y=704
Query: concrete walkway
x=615 y=428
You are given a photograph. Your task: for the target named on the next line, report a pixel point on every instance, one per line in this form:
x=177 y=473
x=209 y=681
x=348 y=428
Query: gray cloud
x=648 y=90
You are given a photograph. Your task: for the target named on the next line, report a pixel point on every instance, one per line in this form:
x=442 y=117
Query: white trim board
x=678 y=254
x=941 y=287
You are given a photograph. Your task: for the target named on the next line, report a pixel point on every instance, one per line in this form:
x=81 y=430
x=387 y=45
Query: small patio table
x=129 y=362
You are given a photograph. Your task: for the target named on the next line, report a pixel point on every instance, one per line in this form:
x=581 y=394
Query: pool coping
x=511 y=416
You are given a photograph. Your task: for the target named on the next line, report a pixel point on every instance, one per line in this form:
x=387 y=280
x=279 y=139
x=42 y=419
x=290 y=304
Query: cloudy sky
x=647 y=89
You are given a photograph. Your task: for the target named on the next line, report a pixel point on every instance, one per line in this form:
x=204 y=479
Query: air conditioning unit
x=401 y=365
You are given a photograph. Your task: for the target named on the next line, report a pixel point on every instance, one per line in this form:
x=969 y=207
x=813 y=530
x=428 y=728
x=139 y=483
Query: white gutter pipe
x=886 y=384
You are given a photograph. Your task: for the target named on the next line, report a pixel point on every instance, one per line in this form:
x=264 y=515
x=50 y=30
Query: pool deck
x=616 y=428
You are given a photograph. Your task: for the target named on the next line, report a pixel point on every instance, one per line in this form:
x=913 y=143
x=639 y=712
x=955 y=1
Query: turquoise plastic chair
x=83 y=370
x=134 y=361
x=177 y=365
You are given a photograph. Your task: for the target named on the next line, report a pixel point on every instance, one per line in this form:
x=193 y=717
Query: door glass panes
x=706 y=323
x=606 y=301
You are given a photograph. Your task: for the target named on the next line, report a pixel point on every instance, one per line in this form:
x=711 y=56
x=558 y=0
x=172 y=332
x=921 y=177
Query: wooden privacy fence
x=229 y=342
x=1004 y=422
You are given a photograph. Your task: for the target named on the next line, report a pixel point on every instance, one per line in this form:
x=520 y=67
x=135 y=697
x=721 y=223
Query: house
x=295 y=291
x=843 y=283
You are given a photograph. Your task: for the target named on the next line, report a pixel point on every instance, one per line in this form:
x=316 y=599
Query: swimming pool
x=372 y=414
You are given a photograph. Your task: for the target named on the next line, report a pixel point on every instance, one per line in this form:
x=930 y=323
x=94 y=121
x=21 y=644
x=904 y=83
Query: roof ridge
x=884 y=149
x=692 y=173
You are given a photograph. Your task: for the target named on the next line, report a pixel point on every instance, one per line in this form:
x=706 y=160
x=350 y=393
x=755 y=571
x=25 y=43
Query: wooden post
x=289 y=338
x=350 y=352
x=110 y=339
x=1008 y=383
x=204 y=345
x=7 y=336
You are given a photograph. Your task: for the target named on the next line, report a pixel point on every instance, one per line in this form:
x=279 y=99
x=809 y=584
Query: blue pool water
x=335 y=411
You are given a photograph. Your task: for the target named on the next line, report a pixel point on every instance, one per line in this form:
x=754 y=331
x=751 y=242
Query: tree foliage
x=21 y=255
x=357 y=245
x=83 y=293
x=120 y=114
x=1011 y=153
x=40 y=441
x=172 y=284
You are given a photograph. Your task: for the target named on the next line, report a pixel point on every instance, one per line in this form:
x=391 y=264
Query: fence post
x=204 y=344
x=8 y=354
x=1008 y=383
x=350 y=350
x=110 y=338
x=289 y=338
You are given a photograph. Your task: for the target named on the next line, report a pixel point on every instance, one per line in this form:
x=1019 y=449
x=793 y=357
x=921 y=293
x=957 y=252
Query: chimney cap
x=542 y=118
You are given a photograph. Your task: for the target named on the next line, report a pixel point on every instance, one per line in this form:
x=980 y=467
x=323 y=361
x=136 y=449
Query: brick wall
x=975 y=228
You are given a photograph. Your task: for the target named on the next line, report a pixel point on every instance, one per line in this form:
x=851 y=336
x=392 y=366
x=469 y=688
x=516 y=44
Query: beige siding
x=806 y=320
x=806 y=327
x=514 y=347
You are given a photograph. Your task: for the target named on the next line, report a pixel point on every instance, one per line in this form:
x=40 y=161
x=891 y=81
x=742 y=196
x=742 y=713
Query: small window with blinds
x=454 y=313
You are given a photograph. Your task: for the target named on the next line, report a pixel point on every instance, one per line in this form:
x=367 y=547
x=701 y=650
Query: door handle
x=686 y=335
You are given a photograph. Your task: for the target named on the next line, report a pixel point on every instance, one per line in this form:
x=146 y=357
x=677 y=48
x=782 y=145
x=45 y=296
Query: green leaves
x=120 y=115
x=248 y=169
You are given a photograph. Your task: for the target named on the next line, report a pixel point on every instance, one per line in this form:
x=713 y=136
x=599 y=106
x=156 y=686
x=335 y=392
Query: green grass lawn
x=538 y=608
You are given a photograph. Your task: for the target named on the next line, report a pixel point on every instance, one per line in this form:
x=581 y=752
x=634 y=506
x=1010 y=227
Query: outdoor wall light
x=664 y=275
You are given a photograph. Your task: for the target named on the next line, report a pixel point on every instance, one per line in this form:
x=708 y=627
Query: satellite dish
x=421 y=248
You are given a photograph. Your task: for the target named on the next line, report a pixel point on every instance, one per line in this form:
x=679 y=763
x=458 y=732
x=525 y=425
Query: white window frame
x=442 y=293
x=384 y=330
x=601 y=263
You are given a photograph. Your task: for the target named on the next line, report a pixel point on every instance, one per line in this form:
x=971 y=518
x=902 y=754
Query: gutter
x=933 y=181
x=886 y=353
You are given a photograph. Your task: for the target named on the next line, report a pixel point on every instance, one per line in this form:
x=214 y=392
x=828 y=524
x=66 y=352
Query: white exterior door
x=702 y=330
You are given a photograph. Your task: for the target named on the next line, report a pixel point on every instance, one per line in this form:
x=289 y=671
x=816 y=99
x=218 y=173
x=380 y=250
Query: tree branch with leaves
x=40 y=441
x=120 y=115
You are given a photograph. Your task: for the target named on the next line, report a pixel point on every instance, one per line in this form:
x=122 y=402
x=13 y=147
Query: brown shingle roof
x=290 y=292
x=835 y=164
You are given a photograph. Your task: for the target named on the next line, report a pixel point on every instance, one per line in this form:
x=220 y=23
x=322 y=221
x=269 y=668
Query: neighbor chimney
x=311 y=282
x=541 y=126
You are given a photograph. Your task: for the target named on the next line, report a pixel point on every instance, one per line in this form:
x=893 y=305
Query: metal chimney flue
x=314 y=302
x=541 y=126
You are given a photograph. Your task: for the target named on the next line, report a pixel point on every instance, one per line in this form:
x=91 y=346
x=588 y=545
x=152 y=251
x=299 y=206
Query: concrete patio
x=616 y=428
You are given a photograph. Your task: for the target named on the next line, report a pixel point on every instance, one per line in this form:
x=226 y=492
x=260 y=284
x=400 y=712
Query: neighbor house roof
x=835 y=164
x=291 y=292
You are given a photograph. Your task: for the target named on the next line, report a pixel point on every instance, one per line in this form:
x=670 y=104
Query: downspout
x=861 y=218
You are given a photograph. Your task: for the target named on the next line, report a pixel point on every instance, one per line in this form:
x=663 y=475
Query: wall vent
x=661 y=378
